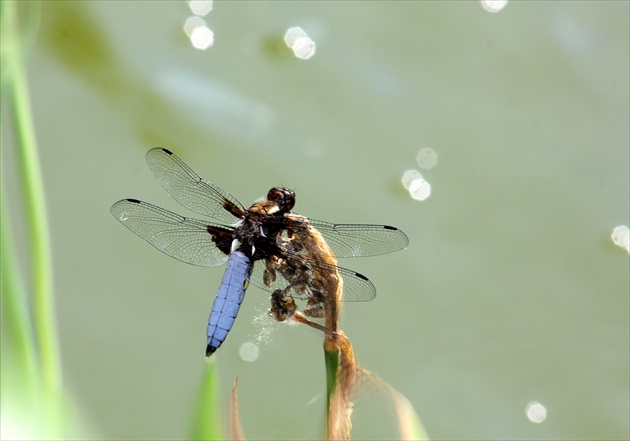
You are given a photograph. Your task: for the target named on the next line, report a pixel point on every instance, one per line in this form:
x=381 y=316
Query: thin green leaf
x=206 y=412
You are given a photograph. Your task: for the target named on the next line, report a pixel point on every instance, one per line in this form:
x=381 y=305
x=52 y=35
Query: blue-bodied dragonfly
x=248 y=238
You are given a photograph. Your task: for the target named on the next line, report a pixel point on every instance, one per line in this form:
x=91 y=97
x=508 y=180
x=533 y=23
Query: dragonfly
x=252 y=240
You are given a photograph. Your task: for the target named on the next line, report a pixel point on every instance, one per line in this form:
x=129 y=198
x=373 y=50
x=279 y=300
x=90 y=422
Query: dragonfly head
x=283 y=198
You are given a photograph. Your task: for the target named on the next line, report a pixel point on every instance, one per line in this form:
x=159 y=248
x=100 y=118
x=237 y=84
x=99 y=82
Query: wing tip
x=401 y=233
x=157 y=151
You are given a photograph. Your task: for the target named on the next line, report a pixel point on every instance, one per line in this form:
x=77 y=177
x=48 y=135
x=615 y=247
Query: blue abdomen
x=228 y=300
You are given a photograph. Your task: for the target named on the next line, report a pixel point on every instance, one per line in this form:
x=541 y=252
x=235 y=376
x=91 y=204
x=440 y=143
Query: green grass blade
x=32 y=333
x=206 y=411
x=36 y=215
x=18 y=342
x=331 y=359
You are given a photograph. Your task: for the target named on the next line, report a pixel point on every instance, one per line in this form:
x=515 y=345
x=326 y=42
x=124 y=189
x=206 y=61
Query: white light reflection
x=304 y=48
x=200 y=7
x=301 y=44
x=493 y=6
x=193 y=23
x=427 y=158
x=409 y=176
x=418 y=188
x=621 y=237
x=202 y=38
x=293 y=34
x=249 y=352
x=536 y=412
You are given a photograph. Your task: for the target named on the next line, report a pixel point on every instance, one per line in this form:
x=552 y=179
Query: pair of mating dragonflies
x=250 y=239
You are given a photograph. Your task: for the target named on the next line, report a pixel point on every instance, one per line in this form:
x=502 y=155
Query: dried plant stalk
x=235 y=420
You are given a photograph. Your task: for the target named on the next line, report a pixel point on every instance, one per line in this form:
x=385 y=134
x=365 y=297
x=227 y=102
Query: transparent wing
x=190 y=190
x=356 y=287
x=184 y=239
x=355 y=240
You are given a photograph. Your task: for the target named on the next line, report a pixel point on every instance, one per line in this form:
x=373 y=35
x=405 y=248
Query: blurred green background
x=511 y=290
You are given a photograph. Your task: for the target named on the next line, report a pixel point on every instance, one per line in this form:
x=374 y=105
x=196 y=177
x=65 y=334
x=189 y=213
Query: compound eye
x=289 y=198
x=273 y=194
x=284 y=197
